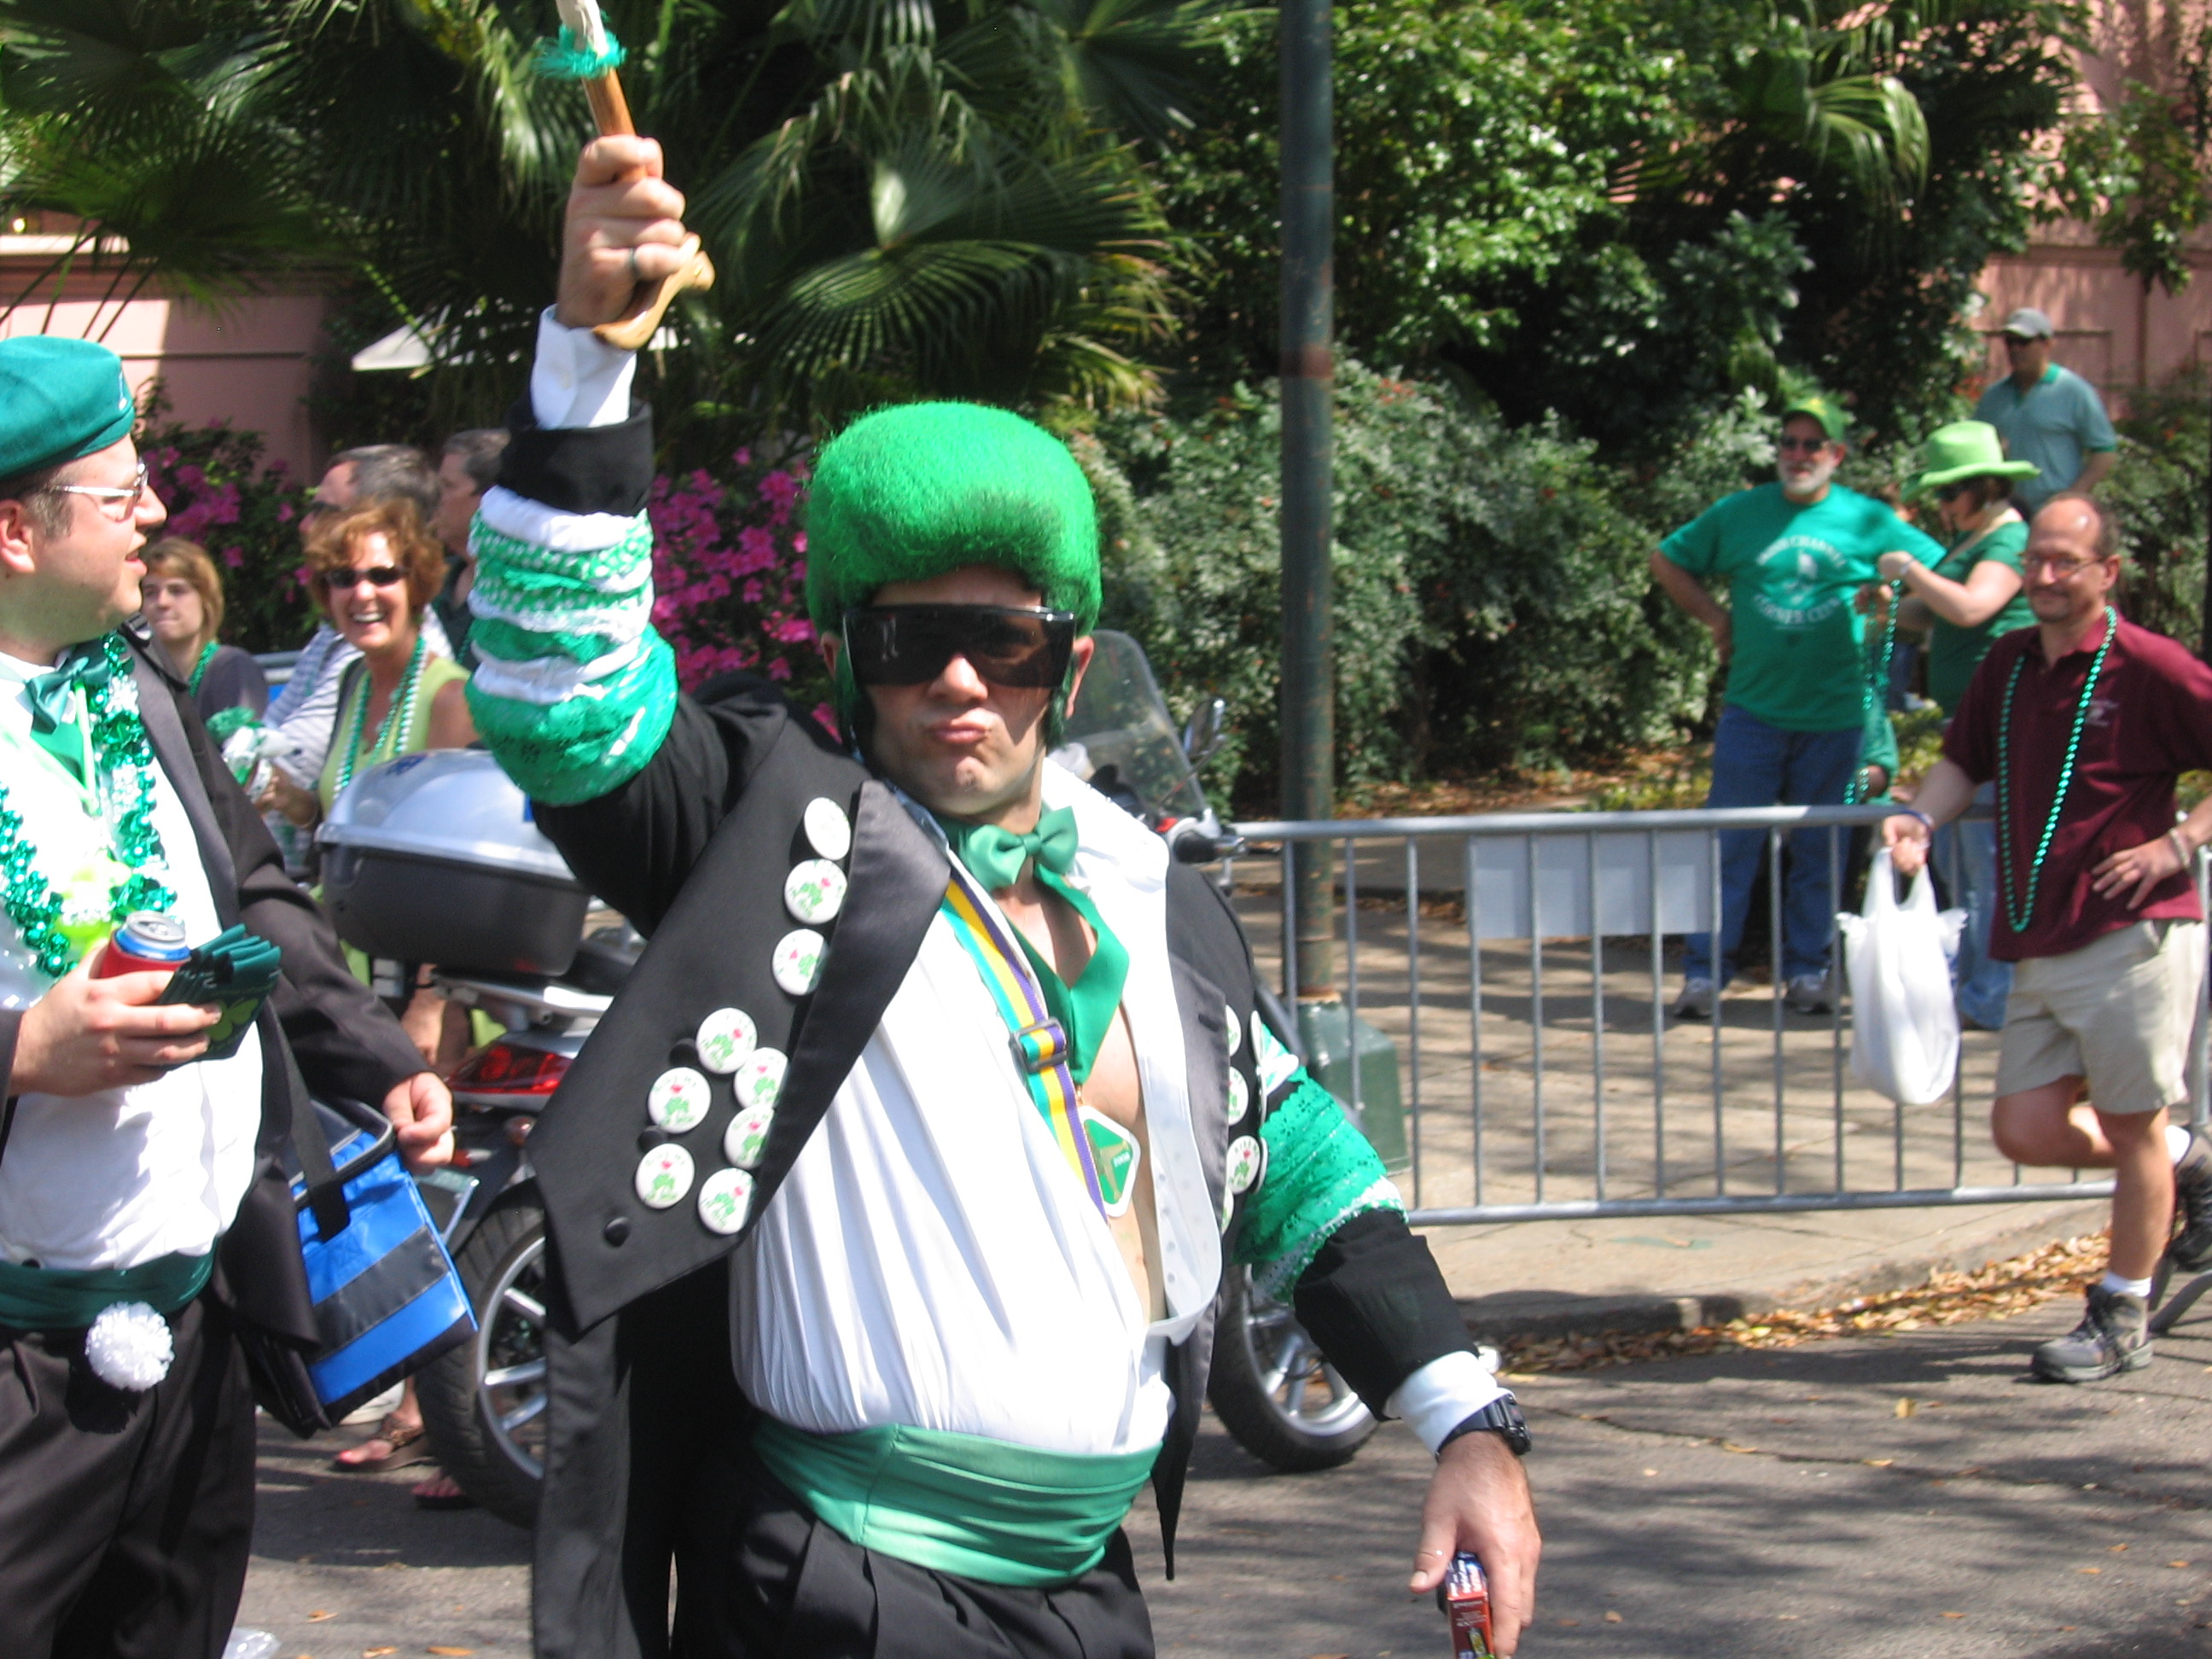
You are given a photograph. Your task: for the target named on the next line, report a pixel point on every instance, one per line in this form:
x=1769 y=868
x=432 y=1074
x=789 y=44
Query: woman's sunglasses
x=377 y=575
x=911 y=644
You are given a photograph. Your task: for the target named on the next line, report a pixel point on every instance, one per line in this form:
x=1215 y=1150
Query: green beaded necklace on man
x=2007 y=881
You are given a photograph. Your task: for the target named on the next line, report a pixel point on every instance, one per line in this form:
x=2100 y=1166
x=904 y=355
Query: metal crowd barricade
x=1527 y=989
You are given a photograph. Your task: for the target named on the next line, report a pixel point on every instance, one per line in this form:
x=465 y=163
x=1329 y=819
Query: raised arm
x=1989 y=588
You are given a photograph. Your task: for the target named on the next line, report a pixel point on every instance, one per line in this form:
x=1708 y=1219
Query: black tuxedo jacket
x=695 y=849
x=344 y=1040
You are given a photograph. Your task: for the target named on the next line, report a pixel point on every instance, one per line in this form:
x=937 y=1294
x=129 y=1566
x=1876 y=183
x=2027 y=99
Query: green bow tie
x=995 y=856
x=53 y=703
x=53 y=695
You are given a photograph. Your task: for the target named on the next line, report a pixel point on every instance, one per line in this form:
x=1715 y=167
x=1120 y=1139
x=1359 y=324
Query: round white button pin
x=664 y=1175
x=797 y=960
x=828 y=831
x=814 y=891
x=759 y=1081
x=724 y=1198
x=746 y=1138
x=725 y=1037
x=678 y=1101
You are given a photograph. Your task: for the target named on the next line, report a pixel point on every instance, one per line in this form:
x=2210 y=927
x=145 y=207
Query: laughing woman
x=374 y=571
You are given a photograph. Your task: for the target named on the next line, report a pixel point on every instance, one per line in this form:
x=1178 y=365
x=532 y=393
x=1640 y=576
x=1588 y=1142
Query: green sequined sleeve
x=574 y=691
x=1321 y=1172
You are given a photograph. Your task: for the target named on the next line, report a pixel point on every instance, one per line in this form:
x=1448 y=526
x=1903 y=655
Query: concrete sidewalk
x=1550 y=1279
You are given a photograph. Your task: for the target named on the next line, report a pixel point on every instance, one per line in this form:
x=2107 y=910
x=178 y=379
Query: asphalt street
x=1882 y=1498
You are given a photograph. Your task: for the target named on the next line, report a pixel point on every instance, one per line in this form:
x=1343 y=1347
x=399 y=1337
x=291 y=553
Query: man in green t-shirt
x=1793 y=555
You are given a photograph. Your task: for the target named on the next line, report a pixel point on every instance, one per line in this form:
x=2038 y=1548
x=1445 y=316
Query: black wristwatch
x=1501 y=1416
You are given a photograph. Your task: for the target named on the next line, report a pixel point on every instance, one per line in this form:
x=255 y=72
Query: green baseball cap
x=1825 y=409
x=1963 y=449
x=59 y=399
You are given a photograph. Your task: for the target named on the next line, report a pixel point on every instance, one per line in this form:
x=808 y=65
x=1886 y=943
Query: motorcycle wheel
x=483 y=1402
x=1272 y=1390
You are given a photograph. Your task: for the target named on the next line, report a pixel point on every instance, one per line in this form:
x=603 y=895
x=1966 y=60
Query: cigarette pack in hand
x=1465 y=1598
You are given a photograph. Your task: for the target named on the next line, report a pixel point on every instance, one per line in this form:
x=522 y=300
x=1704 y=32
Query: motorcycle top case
x=387 y=1301
x=434 y=857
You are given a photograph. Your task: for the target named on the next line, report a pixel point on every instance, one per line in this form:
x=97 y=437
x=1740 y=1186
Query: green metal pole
x=1308 y=377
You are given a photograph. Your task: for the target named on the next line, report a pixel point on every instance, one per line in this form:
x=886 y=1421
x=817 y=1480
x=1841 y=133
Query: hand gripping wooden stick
x=586 y=53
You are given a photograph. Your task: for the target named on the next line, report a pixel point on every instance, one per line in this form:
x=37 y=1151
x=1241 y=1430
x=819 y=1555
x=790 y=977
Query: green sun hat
x=1963 y=449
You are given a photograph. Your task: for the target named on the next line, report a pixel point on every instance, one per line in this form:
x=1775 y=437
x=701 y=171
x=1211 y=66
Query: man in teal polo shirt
x=1793 y=555
x=2049 y=414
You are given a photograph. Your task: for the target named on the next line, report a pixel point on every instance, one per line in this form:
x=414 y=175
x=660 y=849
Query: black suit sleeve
x=1376 y=1302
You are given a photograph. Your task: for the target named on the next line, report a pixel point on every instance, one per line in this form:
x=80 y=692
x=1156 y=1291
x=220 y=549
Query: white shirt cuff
x=1443 y=1394
x=578 y=379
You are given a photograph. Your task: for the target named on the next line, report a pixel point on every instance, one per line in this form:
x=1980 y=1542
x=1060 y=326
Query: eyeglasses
x=911 y=644
x=2059 y=569
x=1951 y=492
x=1801 y=446
x=377 y=575
x=120 y=505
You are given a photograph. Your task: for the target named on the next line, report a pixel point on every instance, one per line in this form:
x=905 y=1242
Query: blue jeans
x=1967 y=854
x=1755 y=764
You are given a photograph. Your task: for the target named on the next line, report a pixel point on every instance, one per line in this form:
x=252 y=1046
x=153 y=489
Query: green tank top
x=438 y=673
x=1954 y=653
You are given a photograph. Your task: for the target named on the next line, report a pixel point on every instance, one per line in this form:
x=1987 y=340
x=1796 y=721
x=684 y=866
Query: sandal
x=406 y=1441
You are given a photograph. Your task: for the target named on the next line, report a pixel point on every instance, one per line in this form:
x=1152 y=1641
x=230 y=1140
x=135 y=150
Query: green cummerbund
x=68 y=1299
x=957 y=1503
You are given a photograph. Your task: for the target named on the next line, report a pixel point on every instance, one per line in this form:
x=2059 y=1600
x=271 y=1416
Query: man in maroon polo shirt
x=2084 y=720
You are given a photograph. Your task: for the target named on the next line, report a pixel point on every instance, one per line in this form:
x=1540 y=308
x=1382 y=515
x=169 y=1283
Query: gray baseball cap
x=2029 y=324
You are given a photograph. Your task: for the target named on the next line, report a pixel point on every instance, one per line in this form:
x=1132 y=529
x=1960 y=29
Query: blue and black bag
x=387 y=1301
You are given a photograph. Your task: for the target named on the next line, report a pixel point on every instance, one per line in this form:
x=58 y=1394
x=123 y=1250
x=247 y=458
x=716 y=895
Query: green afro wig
x=917 y=490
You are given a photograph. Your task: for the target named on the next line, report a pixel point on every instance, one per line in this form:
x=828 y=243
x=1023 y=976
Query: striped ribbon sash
x=1039 y=1045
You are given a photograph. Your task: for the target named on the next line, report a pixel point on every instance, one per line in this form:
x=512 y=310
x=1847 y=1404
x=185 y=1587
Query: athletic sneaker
x=2192 y=1250
x=2113 y=1337
x=1808 y=994
x=1696 y=1000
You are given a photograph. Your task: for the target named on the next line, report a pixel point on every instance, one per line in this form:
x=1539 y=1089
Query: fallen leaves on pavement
x=1996 y=1291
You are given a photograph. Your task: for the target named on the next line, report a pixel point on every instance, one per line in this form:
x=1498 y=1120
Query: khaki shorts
x=2118 y=1011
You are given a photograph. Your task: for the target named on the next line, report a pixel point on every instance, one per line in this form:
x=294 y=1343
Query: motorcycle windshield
x=1120 y=721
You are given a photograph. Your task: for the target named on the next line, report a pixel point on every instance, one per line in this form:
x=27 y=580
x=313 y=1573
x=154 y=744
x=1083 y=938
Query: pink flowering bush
x=245 y=514
x=729 y=576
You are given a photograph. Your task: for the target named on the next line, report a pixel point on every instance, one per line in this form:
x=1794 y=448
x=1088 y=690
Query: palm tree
x=904 y=196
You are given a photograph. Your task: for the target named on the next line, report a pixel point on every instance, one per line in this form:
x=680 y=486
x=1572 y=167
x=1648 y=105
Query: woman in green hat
x=1963 y=603
x=1976 y=592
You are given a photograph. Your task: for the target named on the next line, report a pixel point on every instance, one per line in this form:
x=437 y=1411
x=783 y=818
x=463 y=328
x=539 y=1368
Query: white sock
x=2176 y=1141
x=2119 y=1286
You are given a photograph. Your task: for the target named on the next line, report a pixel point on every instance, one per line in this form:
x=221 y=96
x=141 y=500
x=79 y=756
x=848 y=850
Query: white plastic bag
x=1905 y=1027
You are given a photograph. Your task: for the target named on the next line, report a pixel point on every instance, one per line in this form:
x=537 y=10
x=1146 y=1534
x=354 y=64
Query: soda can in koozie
x=1465 y=1598
x=146 y=942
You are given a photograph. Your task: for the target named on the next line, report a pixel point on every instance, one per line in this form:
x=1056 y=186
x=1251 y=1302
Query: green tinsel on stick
x=567 y=58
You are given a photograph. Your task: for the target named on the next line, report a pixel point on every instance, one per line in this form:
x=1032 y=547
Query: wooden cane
x=587 y=53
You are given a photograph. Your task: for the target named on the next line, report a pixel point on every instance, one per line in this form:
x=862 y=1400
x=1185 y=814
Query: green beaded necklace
x=2008 y=883
x=1868 y=694
x=402 y=710
x=121 y=750
x=200 y=668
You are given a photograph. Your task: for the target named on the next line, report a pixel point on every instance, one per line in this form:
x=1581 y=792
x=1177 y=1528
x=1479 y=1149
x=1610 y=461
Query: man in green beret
x=890 y=1203
x=146 y=1223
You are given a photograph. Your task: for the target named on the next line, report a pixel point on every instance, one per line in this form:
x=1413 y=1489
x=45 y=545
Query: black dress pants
x=759 y=1577
x=126 y=1519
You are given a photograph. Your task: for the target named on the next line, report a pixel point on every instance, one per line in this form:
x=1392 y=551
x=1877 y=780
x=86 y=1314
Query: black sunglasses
x=377 y=575
x=911 y=644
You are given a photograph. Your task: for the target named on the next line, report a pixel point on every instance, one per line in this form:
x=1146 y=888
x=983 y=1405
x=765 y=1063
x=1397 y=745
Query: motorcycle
x=434 y=858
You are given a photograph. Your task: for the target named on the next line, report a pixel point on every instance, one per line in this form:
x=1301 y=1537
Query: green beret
x=59 y=399
x=914 y=491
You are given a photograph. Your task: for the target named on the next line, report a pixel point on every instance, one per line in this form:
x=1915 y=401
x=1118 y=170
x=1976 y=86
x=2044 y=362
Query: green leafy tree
x=903 y=198
x=2141 y=173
